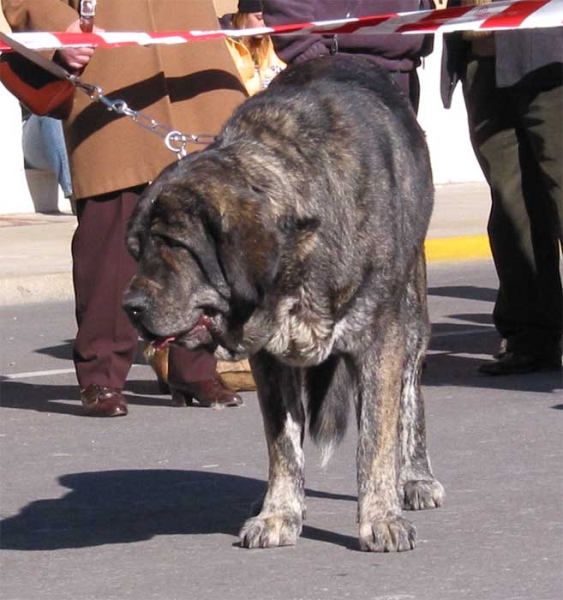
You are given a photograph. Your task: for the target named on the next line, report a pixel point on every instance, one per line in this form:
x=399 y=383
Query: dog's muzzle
x=137 y=305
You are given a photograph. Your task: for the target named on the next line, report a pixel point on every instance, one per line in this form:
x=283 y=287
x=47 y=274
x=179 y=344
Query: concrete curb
x=463 y=247
x=32 y=289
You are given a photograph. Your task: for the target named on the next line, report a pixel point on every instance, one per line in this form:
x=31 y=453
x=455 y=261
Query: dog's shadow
x=119 y=507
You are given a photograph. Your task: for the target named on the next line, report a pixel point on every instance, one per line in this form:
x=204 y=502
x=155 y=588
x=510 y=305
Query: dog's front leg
x=381 y=525
x=280 y=519
x=418 y=488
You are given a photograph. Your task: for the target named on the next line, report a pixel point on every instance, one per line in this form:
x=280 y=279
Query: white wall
x=15 y=196
x=453 y=160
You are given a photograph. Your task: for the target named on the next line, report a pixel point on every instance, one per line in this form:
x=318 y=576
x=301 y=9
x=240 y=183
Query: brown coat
x=190 y=87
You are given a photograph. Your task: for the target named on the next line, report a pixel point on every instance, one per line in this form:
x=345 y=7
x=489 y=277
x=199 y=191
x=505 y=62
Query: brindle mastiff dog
x=297 y=239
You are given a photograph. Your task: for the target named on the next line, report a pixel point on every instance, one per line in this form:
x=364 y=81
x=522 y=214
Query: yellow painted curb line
x=463 y=247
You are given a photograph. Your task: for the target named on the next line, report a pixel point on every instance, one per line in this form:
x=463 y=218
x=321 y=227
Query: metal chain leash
x=174 y=140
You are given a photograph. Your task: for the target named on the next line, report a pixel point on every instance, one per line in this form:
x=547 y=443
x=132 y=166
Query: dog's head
x=207 y=251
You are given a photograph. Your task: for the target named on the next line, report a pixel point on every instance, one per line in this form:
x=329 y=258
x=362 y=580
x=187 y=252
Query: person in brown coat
x=190 y=87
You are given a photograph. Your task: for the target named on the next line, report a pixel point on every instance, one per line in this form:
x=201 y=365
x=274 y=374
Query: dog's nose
x=135 y=303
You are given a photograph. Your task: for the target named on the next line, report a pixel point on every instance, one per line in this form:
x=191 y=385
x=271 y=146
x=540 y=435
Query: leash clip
x=176 y=142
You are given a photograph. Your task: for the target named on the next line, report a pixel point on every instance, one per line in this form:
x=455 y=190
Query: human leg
x=56 y=153
x=106 y=342
x=523 y=313
x=44 y=148
x=192 y=376
x=542 y=107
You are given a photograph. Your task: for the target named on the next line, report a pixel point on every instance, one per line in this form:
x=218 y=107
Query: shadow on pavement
x=447 y=369
x=64 y=399
x=119 y=507
x=61 y=351
x=467 y=292
x=458 y=348
x=454 y=361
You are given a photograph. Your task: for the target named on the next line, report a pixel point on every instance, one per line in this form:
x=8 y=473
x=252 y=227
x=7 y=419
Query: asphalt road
x=148 y=507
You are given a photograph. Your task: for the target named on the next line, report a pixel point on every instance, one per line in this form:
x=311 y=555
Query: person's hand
x=75 y=59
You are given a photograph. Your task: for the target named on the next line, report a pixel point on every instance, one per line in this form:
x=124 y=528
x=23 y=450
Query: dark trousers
x=517 y=135
x=106 y=342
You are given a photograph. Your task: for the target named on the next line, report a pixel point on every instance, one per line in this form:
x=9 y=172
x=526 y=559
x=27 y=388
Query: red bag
x=41 y=85
x=38 y=90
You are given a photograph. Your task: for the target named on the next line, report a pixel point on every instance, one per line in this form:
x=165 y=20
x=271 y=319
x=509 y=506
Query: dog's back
x=338 y=127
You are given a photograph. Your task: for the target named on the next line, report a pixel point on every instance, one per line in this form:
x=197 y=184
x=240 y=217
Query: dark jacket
x=522 y=56
x=396 y=52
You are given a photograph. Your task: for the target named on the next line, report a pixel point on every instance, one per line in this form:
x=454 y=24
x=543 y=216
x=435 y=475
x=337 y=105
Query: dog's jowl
x=297 y=239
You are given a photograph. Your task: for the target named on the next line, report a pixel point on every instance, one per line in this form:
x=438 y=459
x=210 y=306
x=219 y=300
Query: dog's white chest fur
x=303 y=330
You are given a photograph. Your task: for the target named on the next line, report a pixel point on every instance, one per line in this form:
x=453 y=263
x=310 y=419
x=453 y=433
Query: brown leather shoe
x=99 y=401
x=212 y=393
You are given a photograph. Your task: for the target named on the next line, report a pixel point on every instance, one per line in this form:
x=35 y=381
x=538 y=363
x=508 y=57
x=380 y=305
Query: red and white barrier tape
x=510 y=14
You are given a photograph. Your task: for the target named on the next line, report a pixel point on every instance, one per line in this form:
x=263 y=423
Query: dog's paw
x=423 y=493
x=269 y=532
x=387 y=535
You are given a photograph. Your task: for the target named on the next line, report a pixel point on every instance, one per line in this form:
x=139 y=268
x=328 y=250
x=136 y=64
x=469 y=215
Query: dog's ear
x=179 y=217
x=249 y=248
x=139 y=223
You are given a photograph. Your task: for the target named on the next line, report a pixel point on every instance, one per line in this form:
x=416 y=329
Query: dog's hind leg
x=382 y=527
x=279 y=522
x=418 y=488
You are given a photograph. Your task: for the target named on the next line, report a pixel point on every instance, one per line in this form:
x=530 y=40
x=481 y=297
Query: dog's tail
x=329 y=388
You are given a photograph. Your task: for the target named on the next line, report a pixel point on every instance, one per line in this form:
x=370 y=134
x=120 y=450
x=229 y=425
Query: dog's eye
x=289 y=223
x=134 y=246
x=169 y=241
